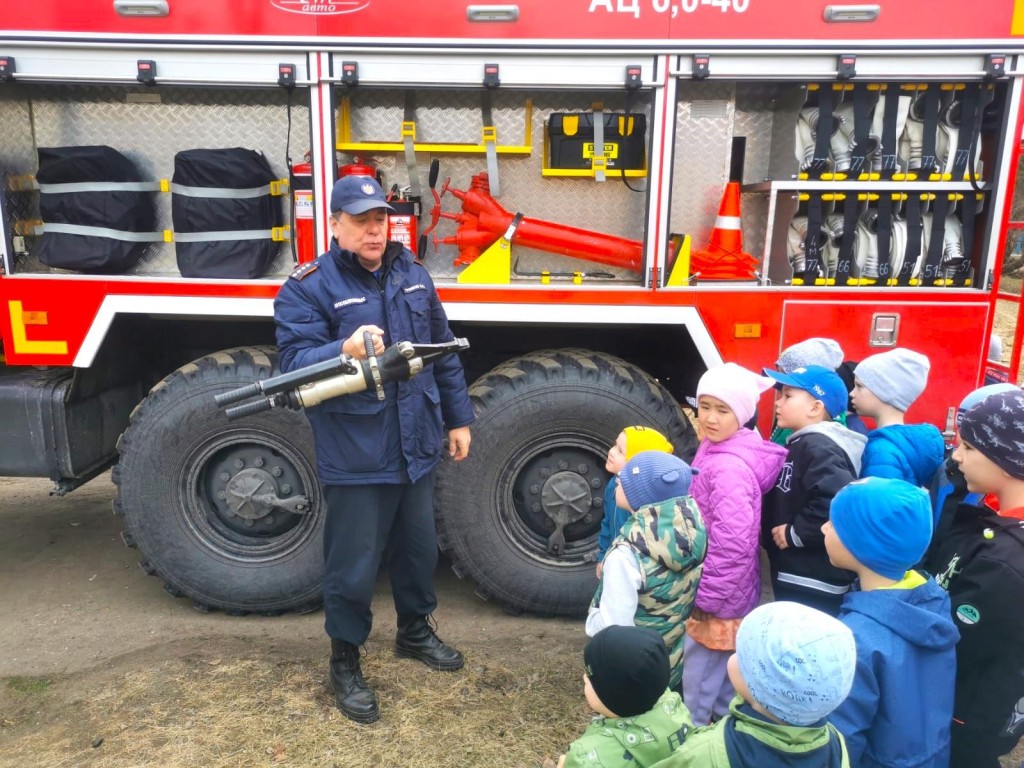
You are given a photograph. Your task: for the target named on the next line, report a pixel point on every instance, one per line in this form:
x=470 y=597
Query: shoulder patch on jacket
x=304 y=269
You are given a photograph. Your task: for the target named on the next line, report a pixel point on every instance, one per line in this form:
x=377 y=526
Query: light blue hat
x=797 y=662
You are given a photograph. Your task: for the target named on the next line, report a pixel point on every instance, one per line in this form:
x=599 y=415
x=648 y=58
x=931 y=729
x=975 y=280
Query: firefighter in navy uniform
x=375 y=458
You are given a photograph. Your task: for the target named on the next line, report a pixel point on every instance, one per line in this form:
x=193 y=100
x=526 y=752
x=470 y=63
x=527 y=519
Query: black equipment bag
x=121 y=210
x=223 y=230
x=571 y=140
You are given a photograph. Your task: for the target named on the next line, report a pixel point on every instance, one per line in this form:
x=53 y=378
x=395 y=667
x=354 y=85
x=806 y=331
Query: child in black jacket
x=824 y=456
x=980 y=561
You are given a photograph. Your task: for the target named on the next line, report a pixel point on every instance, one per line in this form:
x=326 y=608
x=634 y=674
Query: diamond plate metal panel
x=451 y=116
x=708 y=117
x=149 y=127
x=705 y=118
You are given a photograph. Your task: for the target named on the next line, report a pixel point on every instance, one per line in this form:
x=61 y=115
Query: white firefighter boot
x=806 y=136
x=952 y=247
x=830 y=253
x=867 y=245
x=795 y=244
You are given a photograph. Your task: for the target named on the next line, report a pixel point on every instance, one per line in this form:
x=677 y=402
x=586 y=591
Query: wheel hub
x=253 y=490
x=559 y=496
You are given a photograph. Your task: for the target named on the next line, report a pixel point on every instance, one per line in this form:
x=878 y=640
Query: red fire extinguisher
x=302 y=200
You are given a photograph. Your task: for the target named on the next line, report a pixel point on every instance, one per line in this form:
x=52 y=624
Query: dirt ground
x=99 y=667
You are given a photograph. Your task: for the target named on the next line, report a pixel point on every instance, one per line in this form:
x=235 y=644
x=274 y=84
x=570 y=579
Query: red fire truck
x=625 y=192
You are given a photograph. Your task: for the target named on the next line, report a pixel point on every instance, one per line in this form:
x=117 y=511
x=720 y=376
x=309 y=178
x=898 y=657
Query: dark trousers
x=823 y=601
x=364 y=521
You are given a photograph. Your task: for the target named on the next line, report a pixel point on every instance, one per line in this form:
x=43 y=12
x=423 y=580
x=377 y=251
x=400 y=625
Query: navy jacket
x=360 y=439
x=911 y=452
x=822 y=459
x=980 y=561
x=900 y=709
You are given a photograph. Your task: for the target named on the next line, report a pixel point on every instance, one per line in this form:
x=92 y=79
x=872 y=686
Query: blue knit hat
x=897 y=377
x=885 y=524
x=651 y=477
x=797 y=662
x=823 y=384
x=814 y=351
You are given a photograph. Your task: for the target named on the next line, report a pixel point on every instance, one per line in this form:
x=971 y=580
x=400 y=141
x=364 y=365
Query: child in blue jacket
x=884 y=387
x=900 y=708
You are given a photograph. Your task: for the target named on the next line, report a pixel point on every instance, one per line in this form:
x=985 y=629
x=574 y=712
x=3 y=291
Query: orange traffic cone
x=724 y=258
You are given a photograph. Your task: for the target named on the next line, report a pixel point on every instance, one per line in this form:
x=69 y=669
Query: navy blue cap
x=824 y=384
x=357 y=194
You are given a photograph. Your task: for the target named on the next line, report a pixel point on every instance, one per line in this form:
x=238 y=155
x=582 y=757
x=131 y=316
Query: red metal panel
x=703 y=20
x=950 y=333
x=898 y=20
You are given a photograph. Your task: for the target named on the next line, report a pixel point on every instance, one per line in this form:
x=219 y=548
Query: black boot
x=353 y=699
x=416 y=640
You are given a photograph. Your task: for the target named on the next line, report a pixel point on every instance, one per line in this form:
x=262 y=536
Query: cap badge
x=367 y=189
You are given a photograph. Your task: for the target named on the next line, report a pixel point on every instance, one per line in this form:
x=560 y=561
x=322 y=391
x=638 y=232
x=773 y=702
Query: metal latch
x=885 y=328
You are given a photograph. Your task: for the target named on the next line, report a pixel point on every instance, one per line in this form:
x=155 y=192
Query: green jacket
x=705 y=746
x=632 y=742
x=669 y=541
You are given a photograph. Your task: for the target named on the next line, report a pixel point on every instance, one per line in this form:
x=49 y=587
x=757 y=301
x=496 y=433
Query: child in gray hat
x=885 y=385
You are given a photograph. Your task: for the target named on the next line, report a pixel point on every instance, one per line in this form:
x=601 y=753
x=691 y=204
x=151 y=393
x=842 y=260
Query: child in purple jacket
x=736 y=468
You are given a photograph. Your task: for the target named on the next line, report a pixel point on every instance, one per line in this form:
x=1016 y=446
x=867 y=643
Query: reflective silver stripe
x=208 y=237
x=99 y=186
x=224 y=193
x=818 y=586
x=112 y=234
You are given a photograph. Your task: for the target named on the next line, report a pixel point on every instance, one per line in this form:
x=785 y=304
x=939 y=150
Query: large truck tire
x=521 y=515
x=228 y=513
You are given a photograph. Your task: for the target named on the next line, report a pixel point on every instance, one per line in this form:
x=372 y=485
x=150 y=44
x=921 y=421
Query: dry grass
x=508 y=707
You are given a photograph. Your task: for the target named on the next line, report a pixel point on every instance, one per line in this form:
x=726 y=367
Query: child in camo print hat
x=995 y=427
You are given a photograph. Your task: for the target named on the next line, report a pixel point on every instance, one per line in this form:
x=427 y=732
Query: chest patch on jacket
x=414 y=288
x=347 y=302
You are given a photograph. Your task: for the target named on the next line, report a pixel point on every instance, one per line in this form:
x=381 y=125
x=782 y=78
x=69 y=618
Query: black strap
x=889 y=148
x=929 y=163
x=965 y=136
x=861 y=130
x=968 y=216
x=627 y=109
x=812 y=241
x=988 y=93
x=846 y=264
x=915 y=231
x=933 y=261
x=884 y=239
x=823 y=136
